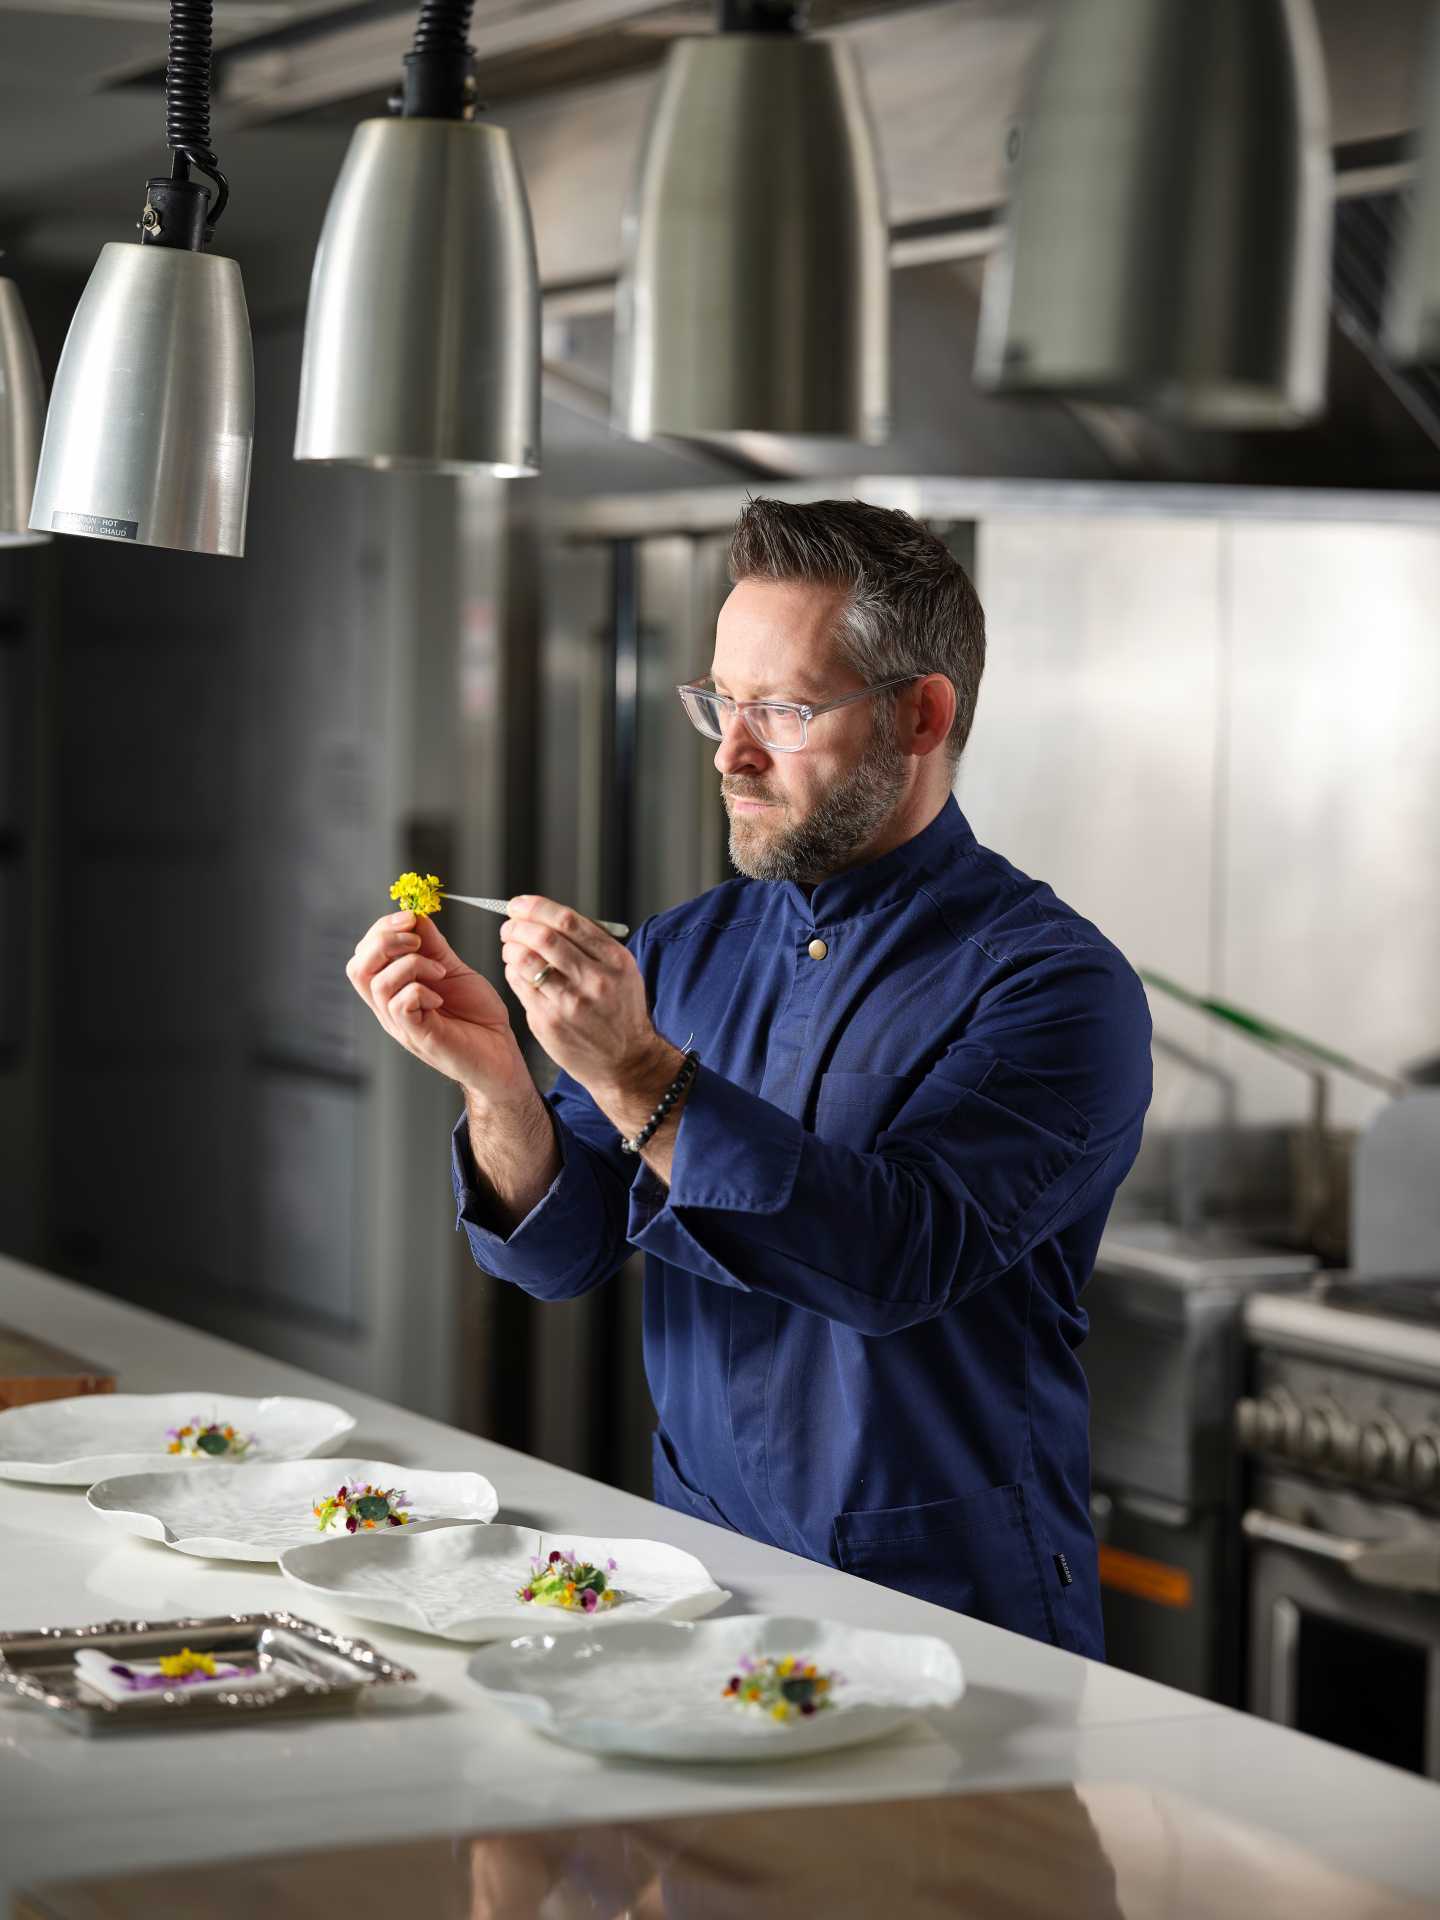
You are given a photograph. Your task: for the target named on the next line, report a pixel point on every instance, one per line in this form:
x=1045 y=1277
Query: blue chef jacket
x=921 y=1082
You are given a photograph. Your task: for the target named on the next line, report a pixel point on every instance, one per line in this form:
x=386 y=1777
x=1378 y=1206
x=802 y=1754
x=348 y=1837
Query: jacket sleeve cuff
x=734 y=1150
x=734 y=1153
x=558 y=1240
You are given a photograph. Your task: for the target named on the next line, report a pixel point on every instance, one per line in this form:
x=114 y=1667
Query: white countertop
x=1032 y=1715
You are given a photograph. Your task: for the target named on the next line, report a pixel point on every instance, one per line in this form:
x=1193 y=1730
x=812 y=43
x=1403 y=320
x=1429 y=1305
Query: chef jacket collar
x=891 y=879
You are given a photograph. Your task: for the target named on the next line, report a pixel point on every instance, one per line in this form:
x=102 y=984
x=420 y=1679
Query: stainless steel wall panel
x=1330 y=899
x=680 y=832
x=1094 y=760
x=1094 y=750
x=571 y=726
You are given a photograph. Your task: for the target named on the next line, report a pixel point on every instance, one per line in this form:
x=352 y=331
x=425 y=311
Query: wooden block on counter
x=33 y=1370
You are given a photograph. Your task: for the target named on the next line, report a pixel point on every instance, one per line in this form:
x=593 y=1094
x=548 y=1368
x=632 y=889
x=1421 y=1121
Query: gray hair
x=910 y=606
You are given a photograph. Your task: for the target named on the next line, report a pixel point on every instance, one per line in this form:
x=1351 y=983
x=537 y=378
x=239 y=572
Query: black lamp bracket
x=760 y=16
x=175 y=214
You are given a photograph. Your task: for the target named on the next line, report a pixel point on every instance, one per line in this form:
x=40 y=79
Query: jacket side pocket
x=976 y=1554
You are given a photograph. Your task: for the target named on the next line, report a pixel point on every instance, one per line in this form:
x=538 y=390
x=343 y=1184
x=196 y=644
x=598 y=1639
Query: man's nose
x=739 y=751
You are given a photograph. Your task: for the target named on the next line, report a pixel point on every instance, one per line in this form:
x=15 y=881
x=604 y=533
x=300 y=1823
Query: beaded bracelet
x=668 y=1099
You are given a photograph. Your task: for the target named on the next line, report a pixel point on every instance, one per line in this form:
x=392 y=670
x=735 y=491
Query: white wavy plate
x=93 y=1436
x=460 y=1584
x=255 y=1513
x=654 y=1688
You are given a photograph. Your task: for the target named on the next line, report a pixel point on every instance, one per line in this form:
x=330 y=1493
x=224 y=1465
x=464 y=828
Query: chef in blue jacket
x=864 y=1108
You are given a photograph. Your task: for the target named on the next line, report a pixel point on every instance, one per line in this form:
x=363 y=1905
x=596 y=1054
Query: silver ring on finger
x=539 y=979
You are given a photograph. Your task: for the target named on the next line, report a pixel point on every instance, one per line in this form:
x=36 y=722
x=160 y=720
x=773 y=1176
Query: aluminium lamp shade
x=22 y=419
x=755 y=291
x=422 y=336
x=1167 y=241
x=152 y=417
x=1412 y=319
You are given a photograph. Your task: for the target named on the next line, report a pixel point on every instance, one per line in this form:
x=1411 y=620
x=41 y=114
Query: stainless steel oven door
x=1345 y=1639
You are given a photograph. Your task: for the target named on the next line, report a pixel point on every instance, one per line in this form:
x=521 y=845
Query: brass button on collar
x=817 y=949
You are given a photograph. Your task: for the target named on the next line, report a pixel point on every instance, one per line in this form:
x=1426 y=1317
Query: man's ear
x=933 y=712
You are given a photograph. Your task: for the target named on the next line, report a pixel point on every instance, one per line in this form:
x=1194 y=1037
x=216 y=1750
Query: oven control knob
x=1327 y=1438
x=1422 y=1468
x=1383 y=1449
x=1342 y=1454
x=1277 y=1422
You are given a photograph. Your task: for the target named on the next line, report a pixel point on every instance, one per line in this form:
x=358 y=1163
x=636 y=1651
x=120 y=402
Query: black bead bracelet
x=672 y=1093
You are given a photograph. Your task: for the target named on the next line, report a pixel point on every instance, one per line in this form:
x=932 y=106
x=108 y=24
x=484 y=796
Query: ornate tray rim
x=370 y=1668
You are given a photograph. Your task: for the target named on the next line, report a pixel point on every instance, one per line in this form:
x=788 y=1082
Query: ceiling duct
x=1412 y=332
x=1368 y=229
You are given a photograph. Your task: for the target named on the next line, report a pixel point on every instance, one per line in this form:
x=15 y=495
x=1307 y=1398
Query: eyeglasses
x=781 y=725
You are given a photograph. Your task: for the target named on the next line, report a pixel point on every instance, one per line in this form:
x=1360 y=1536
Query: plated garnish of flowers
x=417 y=892
x=787 y=1689
x=560 y=1580
x=199 y=1439
x=185 y=1668
x=362 y=1509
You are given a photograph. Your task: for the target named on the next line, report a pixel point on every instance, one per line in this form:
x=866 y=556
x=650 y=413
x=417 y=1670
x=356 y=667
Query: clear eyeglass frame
x=703 y=704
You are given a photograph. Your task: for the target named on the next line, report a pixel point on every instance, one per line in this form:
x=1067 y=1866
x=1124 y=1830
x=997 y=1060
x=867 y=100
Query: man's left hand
x=590 y=1015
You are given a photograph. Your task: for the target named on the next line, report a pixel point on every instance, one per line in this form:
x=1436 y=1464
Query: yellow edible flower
x=176 y=1665
x=786 y=1666
x=780 y=1711
x=417 y=892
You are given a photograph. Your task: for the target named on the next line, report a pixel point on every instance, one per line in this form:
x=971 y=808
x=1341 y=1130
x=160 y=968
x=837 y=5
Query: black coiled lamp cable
x=187 y=96
x=438 y=83
x=178 y=211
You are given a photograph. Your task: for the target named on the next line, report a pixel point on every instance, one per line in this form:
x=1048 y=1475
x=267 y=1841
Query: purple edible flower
x=610 y=1566
x=556 y=1555
x=351 y=1523
x=528 y=1594
x=589 y=1600
x=163 y=1682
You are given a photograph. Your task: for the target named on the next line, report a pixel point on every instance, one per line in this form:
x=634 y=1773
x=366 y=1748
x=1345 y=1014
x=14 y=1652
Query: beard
x=837 y=827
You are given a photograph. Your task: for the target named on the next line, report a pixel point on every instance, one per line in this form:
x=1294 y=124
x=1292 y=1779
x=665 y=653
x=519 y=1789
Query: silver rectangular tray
x=320 y=1672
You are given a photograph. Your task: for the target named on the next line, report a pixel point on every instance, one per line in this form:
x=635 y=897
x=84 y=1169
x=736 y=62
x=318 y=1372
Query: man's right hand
x=442 y=1011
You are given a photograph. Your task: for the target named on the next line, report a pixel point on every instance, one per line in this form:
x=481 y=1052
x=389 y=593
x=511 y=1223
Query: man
x=870 y=1213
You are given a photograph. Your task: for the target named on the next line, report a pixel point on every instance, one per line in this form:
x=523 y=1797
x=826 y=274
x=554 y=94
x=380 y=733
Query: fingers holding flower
x=589 y=1010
